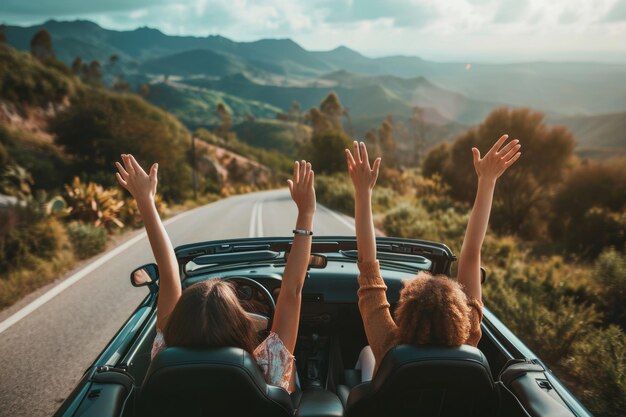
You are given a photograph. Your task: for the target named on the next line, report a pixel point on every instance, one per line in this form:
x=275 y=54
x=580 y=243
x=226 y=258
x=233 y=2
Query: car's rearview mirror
x=315 y=261
x=144 y=275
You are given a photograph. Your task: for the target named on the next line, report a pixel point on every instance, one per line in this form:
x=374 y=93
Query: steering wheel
x=261 y=321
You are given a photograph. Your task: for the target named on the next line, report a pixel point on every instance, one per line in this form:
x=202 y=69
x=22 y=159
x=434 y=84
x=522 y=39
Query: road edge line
x=68 y=282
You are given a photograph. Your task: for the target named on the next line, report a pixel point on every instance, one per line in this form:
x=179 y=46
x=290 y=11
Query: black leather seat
x=427 y=381
x=216 y=382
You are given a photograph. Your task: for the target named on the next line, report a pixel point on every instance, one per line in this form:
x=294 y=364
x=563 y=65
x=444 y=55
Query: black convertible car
x=500 y=378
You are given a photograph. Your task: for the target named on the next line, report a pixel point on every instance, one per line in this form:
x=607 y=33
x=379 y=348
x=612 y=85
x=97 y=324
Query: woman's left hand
x=132 y=177
x=302 y=188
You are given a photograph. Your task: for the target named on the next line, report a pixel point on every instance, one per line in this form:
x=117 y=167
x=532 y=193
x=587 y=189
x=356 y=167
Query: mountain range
x=261 y=77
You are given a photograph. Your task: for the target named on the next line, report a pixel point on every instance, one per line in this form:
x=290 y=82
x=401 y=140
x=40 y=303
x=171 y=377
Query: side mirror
x=144 y=275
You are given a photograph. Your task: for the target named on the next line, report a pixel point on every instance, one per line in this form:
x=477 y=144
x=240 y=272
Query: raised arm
x=373 y=305
x=143 y=187
x=363 y=178
x=488 y=168
x=287 y=315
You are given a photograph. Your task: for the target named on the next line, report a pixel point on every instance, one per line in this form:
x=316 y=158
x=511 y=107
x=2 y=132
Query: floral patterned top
x=275 y=361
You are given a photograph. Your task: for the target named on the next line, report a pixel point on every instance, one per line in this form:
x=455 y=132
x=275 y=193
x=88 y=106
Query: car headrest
x=219 y=381
x=426 y=378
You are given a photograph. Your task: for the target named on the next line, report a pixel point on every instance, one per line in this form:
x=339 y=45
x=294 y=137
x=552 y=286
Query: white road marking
x=339 y=217
x=252 y=229
x=44 y=298
x=259 y=220
x=256 y=220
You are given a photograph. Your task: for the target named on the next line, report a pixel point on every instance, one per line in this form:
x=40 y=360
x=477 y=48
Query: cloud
x=73 y=7
x=618 y=12
x=403 y=13
x=511 y=11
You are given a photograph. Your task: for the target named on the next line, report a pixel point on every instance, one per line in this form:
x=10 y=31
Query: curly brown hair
x=432 y=310
x=208 y=314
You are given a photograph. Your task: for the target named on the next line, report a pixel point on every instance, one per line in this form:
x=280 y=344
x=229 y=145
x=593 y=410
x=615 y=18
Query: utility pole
x=194 y=182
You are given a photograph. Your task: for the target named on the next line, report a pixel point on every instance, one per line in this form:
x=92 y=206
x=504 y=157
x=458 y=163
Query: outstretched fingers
x=296 y=172
x=512 y=151
x=512 y=160
x=122 y=182
x=507 y=147
x=123 y=173
x=498 y=144
x=350 y=160
x=375 y=169
x=366 y=160
x=357 y=154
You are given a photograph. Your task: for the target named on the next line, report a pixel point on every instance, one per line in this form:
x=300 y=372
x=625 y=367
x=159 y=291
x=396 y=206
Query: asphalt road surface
x=47 y=345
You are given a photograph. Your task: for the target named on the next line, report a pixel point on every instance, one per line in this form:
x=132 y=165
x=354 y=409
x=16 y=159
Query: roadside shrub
x=99 y=126
x=326 y=151
x=599 y=366
x=93 y=204
x=129 y=212
x=610 y=273
x=26 y=234
x=87 y=240
x=410 y=221
x=590 y=208
x=335 y=192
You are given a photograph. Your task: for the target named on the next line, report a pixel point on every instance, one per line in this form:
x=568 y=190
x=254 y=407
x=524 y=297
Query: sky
x=442 y=30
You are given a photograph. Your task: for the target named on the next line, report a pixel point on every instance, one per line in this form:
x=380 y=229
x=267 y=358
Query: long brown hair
x=432 y=310
x=208 y=314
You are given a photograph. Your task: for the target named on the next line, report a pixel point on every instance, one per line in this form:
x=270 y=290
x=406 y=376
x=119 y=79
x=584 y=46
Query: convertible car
x=502 y=377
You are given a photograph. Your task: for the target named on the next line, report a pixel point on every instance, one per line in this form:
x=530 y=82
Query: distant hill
x=363 y=96
x=196 y=107
x=559 y=89
x=598 y=136
x=285 y=137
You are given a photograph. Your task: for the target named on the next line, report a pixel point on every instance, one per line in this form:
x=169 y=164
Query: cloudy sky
x=444 y=30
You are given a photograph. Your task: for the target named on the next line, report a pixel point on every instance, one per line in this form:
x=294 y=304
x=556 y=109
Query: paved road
x=43 y=355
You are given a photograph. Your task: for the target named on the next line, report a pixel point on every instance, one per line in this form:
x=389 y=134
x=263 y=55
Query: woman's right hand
x=302 y=187
x=362 y=174
x=133 y=178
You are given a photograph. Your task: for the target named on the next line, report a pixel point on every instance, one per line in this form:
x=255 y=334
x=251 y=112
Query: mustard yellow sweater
x=380 y=327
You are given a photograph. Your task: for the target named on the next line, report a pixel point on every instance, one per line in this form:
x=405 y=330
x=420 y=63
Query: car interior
x=411 y=381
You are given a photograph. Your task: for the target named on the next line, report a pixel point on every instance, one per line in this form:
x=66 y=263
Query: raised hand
x=497 y=160
x=132 y=177
x=302 y=188
x=362 y=174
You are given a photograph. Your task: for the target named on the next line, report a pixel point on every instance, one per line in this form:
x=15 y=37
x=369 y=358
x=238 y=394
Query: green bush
x=407 y=220
x=25 y=234
x=99 y=126
x=335 y=192
x=326 y=152
x=599 y=365
x=86 y=239
x=610 y=272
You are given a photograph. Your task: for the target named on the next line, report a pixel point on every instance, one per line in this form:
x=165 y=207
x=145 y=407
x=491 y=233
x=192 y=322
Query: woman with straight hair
x=208 y=314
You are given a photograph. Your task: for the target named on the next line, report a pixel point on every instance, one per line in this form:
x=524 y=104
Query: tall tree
x=3 y=35
x=225 y=120
x=77 y=66
x=522 y=198
x=420 y=131
x=387 y=142
x=41 y=45
x=326 y=151
x=332 y=109
x=94 y=72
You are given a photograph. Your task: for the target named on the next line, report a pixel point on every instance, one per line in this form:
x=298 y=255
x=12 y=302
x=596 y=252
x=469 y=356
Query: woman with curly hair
x=432 y=309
